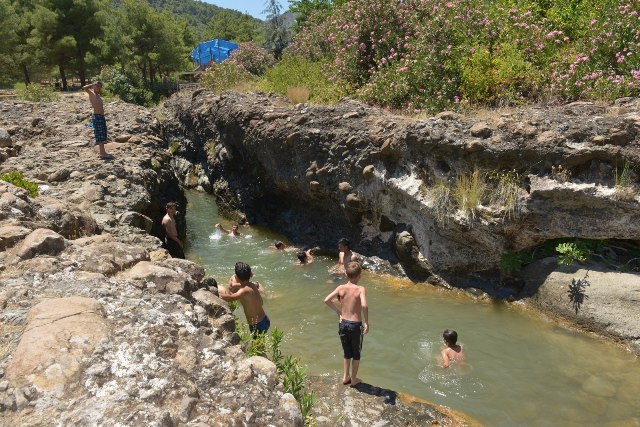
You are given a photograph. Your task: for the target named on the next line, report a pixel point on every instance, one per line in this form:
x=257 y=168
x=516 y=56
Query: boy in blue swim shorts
x=99 y=122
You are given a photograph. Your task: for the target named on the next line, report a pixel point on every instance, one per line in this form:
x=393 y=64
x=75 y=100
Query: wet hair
x=450 y=336
x=243 y=271
x=171 y=205
x=278 y=244
x=353 y=270
x=302 y=256
x=345 y=242
x=99 y=83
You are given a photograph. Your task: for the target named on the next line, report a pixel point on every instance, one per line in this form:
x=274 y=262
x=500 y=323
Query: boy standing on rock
x=172 y=242
x=99 y=122
x=353 y=308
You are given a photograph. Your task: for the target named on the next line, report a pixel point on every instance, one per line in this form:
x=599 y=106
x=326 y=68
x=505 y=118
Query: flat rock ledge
x=371 y=406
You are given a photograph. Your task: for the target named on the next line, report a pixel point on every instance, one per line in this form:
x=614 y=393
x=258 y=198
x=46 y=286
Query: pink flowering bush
x=433 y=54
x=605 y=64
x=252 y=58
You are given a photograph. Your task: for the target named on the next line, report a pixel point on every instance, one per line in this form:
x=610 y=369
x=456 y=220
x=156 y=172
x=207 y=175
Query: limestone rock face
x=59 y=333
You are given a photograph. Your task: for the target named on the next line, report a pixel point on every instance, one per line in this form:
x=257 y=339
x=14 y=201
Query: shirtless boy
x=99 y=122
x=304 y=257
x=172 y=242
x=233 y=232
x=454 y=352
x=345 y=257
x=250 y=296
x=353 y=308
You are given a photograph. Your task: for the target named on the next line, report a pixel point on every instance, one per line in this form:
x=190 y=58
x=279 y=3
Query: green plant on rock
x=17 y=179
x=512 y=262
x=571 y=252
x=290 y=373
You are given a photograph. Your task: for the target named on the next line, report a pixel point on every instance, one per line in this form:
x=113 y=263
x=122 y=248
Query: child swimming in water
x=454 y=352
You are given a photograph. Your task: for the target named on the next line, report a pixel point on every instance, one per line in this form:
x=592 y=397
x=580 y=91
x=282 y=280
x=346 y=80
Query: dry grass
x=506 y=193
x=468 y=192
x=440 y=193
x=298 y=94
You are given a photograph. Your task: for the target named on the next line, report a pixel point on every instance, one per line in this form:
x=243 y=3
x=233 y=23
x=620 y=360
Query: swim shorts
x=260 y=327
x=351 y=338
x=100 y=128
x=174 y=248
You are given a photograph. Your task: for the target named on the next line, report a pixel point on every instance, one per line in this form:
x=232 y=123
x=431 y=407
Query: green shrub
x=126 y=85
x=503 y=77
x=17 y=179
x=571 y=252
x=225 y=76
x=35 y=92
x=294 y=71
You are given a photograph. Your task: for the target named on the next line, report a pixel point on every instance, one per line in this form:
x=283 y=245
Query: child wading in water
x=353 y=309
x=454 y=352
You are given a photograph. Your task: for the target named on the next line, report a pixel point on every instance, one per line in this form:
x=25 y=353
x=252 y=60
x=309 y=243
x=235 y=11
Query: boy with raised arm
x=99 y=122
x=249 y=295
x=353 y=308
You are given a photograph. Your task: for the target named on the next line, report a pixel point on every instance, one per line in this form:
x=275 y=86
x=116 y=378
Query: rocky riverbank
x=317 y=173
x=99 y=326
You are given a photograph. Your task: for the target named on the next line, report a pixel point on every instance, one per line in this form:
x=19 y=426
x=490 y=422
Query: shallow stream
x=522 y=369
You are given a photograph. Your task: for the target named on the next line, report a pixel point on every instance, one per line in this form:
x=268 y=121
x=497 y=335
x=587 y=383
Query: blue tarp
x=213 y=50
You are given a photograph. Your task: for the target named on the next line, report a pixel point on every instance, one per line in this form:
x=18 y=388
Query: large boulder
x=41 y=241
x=60 y=332
x=105 y=257
x=5 y=139
x=12 y=234
x=163 y=279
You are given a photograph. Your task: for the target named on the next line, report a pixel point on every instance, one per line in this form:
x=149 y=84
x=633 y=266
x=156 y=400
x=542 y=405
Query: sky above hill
x=252 y=7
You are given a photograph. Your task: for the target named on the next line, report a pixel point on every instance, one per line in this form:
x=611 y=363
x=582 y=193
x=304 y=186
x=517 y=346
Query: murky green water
x=522 y=369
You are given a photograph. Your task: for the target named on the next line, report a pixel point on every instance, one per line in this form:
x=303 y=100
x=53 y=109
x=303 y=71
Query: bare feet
x=355 y=381
x=346 y=380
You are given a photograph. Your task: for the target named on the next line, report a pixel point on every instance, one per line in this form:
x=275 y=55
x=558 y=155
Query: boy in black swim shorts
x=351 y=329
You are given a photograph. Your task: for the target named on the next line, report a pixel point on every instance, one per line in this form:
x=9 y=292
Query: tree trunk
x=25 y=73
x=82 y=72
x=63 y=77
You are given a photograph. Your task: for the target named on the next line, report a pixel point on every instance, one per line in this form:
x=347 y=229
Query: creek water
x=521 y=369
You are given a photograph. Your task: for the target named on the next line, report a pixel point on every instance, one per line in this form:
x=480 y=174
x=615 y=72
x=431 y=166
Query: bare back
x=351 y=298
x=454 y=354
x=251 y=300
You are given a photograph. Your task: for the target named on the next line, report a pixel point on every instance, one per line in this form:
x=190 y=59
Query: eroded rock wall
x=317 y=173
